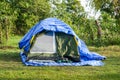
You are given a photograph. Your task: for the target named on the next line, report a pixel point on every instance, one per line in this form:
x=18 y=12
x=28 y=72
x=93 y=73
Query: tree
x=111 y=7
x=69 y=11
x=109 y=26
x=5 y=20
x=17 y=16
x=29 y=12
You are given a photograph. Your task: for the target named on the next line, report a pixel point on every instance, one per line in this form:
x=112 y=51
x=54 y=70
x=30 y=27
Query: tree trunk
x=1 y=37
x=6 y=29
x=99 y=29
x=7 y=33
x=0 y=34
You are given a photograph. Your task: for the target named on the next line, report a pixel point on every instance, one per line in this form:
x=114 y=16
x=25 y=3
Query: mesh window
x=44 y=43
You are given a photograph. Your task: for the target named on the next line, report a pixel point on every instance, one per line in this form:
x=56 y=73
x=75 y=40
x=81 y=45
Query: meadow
x=11 y=67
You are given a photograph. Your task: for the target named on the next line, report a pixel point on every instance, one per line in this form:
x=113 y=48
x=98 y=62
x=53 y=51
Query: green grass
x=11 y=67
x=12 y=42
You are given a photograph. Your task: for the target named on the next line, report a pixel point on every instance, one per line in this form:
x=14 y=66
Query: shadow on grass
x=21 y=79
x=113 y=60
x=110 y=76
x=9 y=56
x=8 y=47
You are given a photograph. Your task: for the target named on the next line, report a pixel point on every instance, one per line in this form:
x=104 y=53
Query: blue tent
x=56 y=25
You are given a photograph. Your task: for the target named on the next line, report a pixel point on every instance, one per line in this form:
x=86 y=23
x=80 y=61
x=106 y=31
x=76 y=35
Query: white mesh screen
x=44 y=43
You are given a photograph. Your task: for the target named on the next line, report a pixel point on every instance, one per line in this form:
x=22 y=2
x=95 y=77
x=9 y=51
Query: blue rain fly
x=56 y=25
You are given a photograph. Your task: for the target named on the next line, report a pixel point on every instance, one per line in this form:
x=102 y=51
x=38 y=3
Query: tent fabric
x=64 y=48
x=56 y=25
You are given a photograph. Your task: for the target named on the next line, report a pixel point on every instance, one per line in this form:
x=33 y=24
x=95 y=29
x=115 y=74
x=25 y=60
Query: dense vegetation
x=18 y=16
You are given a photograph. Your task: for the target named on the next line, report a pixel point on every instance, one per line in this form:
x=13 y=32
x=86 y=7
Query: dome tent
x=51 y=42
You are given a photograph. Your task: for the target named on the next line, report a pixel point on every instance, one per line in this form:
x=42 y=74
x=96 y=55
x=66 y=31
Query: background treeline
x=18 y=16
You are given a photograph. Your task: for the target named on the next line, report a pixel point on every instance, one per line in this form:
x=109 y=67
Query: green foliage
x=112 y=7
x=18 y=16
x=29 y=12
x=110 y=29
x=72 y=13
x=6 y=21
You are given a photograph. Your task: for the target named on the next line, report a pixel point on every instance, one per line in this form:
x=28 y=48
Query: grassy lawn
x=11 y=67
